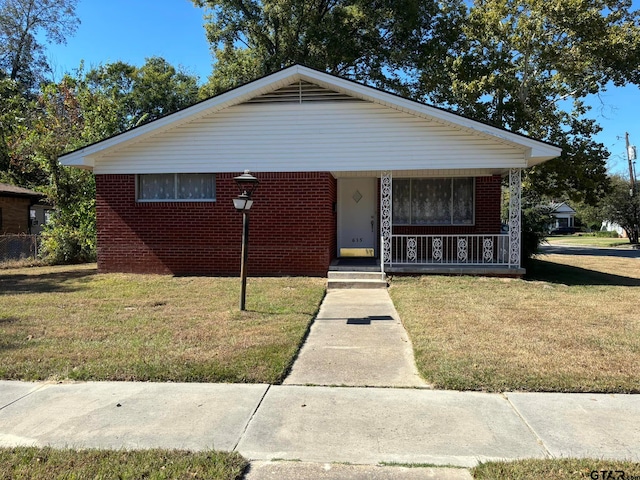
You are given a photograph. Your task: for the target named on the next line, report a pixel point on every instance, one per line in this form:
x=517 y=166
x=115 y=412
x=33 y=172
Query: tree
x=591 y=216
x=13 y=120
x=361 y=39
x=527 y=65
x=22 y=22
x=523 y=65
x=622 y=206
x=120 y=96
x=85 y=109
x=36 y=128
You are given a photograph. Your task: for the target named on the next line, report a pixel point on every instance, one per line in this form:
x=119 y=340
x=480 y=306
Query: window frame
x=451 y=224
x=175 y=189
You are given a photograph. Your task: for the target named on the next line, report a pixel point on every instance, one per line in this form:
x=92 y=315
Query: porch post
x=386 y=216
x=515 y=227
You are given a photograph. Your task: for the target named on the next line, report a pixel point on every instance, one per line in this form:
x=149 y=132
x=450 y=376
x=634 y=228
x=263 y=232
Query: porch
x=419 y=232
x=479 y=254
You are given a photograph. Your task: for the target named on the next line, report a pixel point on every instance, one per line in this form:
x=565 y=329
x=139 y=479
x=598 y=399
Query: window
x=177 y=187
x=433 y=201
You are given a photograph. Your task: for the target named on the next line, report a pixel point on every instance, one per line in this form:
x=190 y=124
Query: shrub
x=71 y=235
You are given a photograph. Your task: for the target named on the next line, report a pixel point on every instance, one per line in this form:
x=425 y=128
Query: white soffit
x=534 y=151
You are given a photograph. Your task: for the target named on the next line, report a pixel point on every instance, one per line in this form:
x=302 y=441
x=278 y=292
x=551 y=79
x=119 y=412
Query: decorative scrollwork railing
x=481 y=249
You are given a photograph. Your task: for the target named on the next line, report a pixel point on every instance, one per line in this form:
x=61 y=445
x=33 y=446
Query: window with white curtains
x=177 y=187
x=433 y=201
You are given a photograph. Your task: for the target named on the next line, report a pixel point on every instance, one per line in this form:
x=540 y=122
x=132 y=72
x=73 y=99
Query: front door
x=357 y=217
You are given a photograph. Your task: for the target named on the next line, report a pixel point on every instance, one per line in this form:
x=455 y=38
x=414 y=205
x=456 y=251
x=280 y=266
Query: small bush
x=71 y=235
x=534 y=229
x=607 y=234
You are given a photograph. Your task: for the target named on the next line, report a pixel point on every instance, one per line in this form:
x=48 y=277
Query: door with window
x=357 y=223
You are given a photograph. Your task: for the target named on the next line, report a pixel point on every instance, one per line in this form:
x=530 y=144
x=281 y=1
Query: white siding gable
x=314 y=136
x=377 y=131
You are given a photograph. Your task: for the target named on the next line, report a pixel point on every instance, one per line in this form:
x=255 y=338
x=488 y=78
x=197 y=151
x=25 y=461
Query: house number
x=356 y=240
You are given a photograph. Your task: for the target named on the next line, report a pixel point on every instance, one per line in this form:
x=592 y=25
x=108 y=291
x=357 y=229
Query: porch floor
x=443 y=269
x=355 y=264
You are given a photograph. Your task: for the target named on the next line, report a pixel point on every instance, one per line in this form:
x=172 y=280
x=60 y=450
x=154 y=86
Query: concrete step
x=377 y=280
x=333 y=284
x=353 y=275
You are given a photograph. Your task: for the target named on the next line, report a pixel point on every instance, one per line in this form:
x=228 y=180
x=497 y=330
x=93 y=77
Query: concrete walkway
x=357 y=339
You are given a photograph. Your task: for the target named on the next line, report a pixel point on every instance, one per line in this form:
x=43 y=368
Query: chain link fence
x=18 y=247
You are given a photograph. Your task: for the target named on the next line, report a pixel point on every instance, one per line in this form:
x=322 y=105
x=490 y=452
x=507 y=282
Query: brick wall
x=292 y=228
x=15 y=215
x=487 y=213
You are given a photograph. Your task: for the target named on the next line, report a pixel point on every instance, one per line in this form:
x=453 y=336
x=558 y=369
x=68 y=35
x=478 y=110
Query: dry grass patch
x=551 y=469
x=25 y=463
x=574 y=326
x=72 y=323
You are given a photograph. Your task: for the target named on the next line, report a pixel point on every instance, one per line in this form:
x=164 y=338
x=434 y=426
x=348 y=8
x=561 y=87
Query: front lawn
x=72 y=323
x=587 y=240
x=572 y=326
x=26 y=463
x=565 y=468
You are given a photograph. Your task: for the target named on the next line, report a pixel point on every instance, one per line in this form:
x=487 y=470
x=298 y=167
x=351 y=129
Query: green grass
x=572 y=326
x=553 y=469
x=586 y=240
x=70 y=322
x=26 y=463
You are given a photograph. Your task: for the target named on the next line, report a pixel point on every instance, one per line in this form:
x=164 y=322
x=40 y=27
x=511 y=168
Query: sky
x=132 y=30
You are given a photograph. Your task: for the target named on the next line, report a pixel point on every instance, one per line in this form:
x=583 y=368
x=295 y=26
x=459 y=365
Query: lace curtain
x=433 y=201
x=178 y=186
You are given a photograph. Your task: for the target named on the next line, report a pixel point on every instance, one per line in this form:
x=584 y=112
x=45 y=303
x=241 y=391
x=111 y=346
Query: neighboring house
x=345 y=170
x=15 y=206
x=608 y=226
x=563 y=216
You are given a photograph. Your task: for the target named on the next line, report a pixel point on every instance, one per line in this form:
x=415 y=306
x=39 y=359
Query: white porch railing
x=479 y=249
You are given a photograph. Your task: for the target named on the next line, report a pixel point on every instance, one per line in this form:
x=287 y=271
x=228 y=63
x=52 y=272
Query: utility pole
x=630 y=156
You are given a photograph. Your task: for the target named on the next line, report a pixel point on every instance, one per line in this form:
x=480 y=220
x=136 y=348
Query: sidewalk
x=321 y=427
x=322 y=424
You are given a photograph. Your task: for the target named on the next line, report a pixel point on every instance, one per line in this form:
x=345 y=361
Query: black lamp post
x=247 y=184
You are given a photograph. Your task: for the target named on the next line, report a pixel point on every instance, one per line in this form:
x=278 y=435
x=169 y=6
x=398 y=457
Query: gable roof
x=535 y=151
x=561 y=207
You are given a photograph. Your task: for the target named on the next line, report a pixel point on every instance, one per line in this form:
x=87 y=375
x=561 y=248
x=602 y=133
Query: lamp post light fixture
x=247 y=184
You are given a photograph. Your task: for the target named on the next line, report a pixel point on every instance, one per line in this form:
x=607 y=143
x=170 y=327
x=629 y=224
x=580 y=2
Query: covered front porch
x=372 y=237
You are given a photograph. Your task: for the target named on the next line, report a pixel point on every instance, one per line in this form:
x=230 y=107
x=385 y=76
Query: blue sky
x=132 y=30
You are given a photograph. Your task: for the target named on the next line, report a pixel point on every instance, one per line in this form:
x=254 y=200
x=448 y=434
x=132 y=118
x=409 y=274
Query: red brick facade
x=292 y=228
x=292 y=231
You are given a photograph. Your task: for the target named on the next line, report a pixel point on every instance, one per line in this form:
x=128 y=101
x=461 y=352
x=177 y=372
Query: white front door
x=357 y=225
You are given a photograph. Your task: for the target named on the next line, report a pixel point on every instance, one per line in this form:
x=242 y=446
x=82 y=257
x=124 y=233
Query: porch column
x=515 y=214
x=386 y=216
